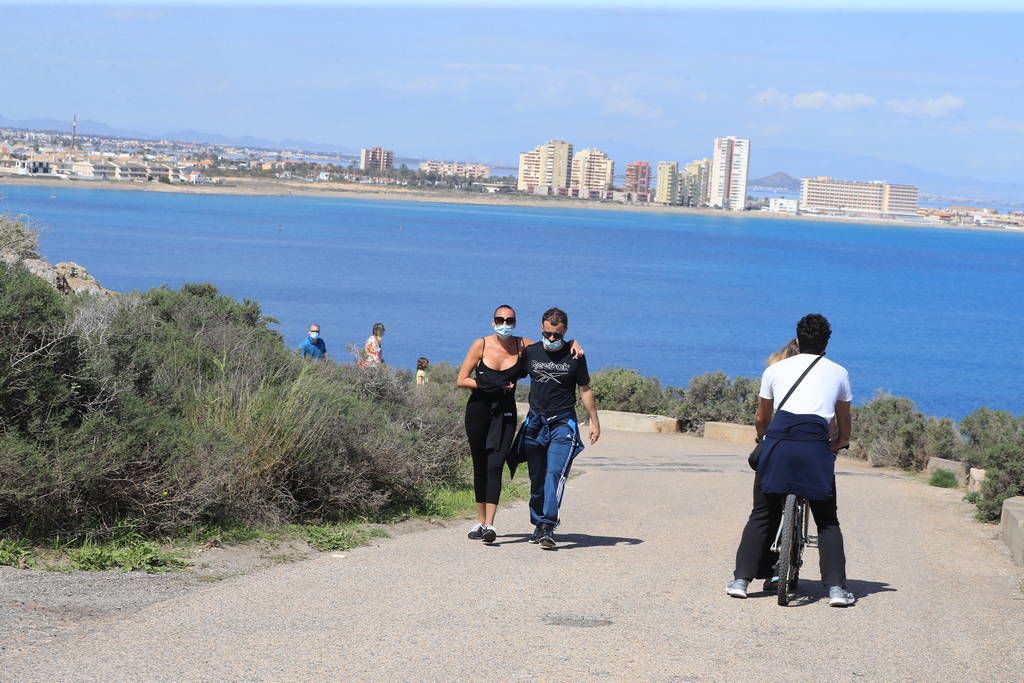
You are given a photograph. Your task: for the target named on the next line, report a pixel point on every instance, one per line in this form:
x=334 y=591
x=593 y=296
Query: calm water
x=931 y=314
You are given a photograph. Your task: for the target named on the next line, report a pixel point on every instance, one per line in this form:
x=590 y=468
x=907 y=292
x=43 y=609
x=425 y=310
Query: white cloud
x=931 y=108
x=816 y=100
x=1001 y=124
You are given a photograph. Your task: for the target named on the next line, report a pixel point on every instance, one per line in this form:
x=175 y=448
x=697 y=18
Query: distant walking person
x=373 y=352
x=421 y=370
x=490 y=371
x=550 y=436
x=798 y=456
x=313 y=346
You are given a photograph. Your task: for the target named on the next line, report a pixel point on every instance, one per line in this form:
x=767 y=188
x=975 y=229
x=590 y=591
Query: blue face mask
x=552 y=345
x=503 y=331
x=314 y=335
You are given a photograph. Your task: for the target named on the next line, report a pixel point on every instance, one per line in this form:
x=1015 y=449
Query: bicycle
x=790 y=541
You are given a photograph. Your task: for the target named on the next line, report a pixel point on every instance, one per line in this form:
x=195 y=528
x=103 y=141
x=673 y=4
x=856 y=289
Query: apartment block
x=728 y=183
x=376 y=159
x=827 y=194
x=546 y=169
x=667 y=189
x=456 y=168
x=638 y=181
x=695 y=183
x=592 y=173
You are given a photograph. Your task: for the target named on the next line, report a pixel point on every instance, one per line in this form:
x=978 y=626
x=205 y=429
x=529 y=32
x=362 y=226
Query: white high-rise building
x=592 y=173
x=728 y=182
x=666 y=191
x=546 y=168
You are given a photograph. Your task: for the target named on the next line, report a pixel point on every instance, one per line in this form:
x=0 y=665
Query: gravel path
x=635 y=591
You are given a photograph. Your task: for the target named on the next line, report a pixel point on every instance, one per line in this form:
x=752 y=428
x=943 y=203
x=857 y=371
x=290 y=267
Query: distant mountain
x=777 y=181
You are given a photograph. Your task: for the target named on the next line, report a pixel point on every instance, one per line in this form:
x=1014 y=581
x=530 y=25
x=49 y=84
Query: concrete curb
x=974 y=479
x=958 y=469
x=625 y=422
x=1011 y=527
x=730 y=433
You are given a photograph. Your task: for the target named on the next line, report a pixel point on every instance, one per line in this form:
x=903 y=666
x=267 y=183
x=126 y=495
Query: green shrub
x=196 y=414
x=628 y=390
x=714 y=397
x=18 y=237
x=1004 y=477
x=889 y=432
x=943 y=479
x=339 y=537
x=984 y=429
x=942 y=440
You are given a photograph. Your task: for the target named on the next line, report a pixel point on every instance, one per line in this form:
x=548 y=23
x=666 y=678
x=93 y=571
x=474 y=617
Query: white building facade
x=728 y=182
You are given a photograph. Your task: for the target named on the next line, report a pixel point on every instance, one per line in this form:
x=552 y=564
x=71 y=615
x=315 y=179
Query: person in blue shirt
x=313 y=346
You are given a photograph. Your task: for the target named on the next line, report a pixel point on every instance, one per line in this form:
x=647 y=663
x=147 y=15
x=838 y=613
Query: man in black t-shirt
x=550 y=435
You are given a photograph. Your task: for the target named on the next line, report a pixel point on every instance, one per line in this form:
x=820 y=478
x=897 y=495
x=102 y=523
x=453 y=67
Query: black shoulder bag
x=755 y=454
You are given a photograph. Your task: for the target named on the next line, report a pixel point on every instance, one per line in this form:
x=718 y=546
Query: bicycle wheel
x=787 y=549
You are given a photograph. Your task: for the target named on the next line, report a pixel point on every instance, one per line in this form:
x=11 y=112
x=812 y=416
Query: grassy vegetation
x=943 y=479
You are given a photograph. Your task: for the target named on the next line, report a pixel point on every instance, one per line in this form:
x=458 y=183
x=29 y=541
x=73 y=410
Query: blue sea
x=926 y=313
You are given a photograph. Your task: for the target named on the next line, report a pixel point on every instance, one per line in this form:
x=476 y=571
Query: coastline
x=329 y=190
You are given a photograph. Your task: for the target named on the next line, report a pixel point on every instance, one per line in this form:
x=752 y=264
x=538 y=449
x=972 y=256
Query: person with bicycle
x=798 y=456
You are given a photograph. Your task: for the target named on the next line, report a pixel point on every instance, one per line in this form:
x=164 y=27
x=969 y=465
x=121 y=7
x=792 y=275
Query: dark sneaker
x=547 y=538
x=537 y=532
x=489 y=534
x=737 y=588
x=771 y=585
x=476 y=533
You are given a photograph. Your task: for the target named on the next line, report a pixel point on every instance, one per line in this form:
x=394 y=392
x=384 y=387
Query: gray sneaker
x=840 y=597
x=737 y=588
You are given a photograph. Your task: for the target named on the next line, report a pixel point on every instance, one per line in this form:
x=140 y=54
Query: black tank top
x=490 y=382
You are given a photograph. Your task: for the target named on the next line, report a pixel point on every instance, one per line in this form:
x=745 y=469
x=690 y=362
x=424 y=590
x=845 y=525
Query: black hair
x=378 y=327
x=813 y=333
x=555 y=316
x=504 y=306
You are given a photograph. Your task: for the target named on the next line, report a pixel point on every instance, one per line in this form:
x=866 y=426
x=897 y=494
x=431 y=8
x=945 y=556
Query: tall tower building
x=546 y=168
x=592 y=173
x=376 y=159
x=694 y=183
x=667 y=189
x=638 y=180
x=74 y=131
x=728 y=184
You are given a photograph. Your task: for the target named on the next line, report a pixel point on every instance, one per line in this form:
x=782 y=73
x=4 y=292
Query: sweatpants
x=755 y=560
x=550 y=447
x=487 y=462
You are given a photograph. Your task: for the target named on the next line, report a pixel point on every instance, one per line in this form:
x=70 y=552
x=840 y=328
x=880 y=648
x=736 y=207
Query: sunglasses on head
x=498 y=320
x=552 y=336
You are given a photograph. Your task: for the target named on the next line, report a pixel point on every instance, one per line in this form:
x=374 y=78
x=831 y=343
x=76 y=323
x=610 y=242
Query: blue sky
x=940 y=91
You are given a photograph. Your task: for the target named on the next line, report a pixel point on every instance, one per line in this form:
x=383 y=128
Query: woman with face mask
x=490 y=371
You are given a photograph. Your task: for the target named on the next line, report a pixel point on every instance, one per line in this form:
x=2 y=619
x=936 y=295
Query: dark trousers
x=755 y=560
x=487 y=462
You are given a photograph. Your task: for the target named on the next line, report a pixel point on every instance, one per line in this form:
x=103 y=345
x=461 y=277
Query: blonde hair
x=787 y=351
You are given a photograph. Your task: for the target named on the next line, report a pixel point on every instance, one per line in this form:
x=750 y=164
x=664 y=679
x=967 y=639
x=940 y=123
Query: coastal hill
x=779 y=180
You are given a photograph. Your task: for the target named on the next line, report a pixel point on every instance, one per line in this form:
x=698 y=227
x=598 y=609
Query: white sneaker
x=737 y=588
x=476 y=533
x=840 y=597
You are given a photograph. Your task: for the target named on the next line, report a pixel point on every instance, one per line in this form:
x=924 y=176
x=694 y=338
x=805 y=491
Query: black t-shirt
x=554 y=376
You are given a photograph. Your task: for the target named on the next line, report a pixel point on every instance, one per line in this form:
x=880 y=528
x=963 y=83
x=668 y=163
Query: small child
x=421 y=370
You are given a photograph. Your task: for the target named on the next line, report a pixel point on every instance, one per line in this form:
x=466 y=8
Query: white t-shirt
x=825 y=384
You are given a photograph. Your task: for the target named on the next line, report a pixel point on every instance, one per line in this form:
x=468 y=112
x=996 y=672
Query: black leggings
x=755 y=560
x=487 y=462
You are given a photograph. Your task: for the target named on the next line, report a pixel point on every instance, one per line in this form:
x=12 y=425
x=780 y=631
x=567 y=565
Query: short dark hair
x=555 y=316
x=378 y=327
x=813 y=333
x=503 y=306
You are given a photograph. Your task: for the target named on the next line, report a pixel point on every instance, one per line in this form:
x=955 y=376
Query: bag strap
x=799 y=379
